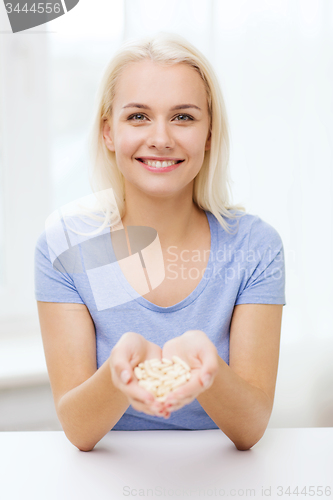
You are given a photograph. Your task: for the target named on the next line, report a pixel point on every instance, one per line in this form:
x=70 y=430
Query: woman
x=219 y=303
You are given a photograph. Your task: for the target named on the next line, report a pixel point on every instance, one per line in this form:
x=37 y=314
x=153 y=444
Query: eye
x=136 y=114
x=133 y=117
x=187 y=116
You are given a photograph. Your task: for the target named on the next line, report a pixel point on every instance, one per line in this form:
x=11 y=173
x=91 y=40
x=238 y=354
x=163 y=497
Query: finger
x=206 y=379
x=142 y=408
x=127 y=354
x=136 y=392
x=189 y=390
x=154 y=408
x=177 y=405
x=209 y=368
x=159 y=408
x=129 y=348
x=165 y=414
x=155 y=352
x=121 y=370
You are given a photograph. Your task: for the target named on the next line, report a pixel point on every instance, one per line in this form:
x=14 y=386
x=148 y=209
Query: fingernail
x=206 y=380
x=124 y=376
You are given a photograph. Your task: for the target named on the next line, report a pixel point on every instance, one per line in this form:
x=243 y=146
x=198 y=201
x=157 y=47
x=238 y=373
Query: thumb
x=209 y=369
x=206 y=379
x=125 y=376
x=121 y=368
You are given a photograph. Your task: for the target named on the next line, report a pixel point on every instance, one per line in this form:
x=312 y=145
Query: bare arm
x=87 y=403
x=240 y=400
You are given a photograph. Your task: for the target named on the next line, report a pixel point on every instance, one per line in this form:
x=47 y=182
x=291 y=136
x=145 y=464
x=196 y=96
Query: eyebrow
x=144 y=106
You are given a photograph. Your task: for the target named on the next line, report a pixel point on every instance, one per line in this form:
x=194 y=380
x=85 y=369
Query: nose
x=160 y=136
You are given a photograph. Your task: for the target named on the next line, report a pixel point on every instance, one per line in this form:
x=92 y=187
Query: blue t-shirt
x=246 y=267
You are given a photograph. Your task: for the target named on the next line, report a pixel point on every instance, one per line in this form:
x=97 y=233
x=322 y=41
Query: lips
x=159 y=159
x=159 y=169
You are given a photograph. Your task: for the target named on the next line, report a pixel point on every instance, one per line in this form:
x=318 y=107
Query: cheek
x=195 y=142
x=128 y=143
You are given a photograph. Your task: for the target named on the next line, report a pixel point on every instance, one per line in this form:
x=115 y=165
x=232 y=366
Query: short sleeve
x=264 y=279
x=51 y=284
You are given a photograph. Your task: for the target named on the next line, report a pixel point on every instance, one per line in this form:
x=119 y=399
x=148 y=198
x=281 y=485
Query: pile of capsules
x=162 y=377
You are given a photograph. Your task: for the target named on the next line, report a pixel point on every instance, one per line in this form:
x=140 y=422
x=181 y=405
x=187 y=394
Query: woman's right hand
x=130 y=350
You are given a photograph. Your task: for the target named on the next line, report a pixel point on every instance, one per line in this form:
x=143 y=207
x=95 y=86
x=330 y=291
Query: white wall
x=25 y=165
x=274 y=60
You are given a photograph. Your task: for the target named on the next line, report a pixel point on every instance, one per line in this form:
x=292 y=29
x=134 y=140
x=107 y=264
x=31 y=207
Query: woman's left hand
x=195 y=348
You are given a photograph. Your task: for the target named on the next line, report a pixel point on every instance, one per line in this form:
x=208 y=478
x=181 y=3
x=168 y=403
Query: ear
x=208 y=141
x=107 y=135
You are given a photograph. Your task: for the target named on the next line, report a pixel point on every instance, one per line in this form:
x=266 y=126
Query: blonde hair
x=212 y=183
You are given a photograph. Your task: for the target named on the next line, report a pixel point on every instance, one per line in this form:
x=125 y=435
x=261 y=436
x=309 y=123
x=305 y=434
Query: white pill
x=149 y=371
x=182 y=371
x=176 y=359
x=155 y=362
x=160 y=391
x=168 y=369
x=161 y=377
x=167 y=361
x=138 y=372
x=156 y=383
x=179 y=381
x=169 y=382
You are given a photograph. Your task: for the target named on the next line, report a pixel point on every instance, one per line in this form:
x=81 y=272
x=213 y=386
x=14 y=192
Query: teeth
x=159 y=164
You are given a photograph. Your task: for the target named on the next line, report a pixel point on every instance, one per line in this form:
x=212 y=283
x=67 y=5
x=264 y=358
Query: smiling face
x=159 y=112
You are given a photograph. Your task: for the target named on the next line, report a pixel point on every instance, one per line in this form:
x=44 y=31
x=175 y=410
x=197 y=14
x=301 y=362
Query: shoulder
x=61 y=233
x=53 y=240
x=263 y=234
x=256 y=230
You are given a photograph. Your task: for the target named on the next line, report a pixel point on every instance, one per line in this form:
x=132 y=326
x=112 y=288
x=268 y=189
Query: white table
x=166 y=464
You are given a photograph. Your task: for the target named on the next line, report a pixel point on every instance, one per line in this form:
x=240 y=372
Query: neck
x=174 y=219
